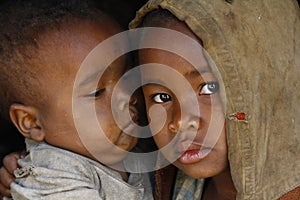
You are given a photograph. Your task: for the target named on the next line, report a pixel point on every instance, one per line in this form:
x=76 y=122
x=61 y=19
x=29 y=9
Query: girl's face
x=193 y=155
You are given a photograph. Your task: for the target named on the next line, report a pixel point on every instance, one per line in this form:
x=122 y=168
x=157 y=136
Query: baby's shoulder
x=45 y=158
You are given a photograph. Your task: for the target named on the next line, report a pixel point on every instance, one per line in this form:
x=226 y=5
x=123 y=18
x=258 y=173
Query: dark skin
x=221 y=182
x=215 y=165
x=6 y=172
x=36 y=121
x=218 y=187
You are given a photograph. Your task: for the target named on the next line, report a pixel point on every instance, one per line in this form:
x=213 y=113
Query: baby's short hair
x=21 y=22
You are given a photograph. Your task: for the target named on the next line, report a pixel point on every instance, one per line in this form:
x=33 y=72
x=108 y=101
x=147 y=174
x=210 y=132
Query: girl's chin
x=194 y=172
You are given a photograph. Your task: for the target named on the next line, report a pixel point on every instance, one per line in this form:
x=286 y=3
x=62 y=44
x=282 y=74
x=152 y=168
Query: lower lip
x=193 y=156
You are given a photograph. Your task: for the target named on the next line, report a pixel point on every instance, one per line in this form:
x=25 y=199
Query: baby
x=43 y=44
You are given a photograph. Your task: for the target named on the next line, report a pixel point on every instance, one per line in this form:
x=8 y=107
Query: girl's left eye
x=209 y=88
x=96 y=93
x=161 y=98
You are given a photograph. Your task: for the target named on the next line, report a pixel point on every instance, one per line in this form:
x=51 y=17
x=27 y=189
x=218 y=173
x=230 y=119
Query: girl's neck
x=221 y=187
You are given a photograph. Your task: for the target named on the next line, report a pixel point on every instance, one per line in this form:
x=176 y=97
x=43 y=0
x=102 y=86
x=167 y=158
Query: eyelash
x=159 y=95
x=211 y=91
x=96 y=93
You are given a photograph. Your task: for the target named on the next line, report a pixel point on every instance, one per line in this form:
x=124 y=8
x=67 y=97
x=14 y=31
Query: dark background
x=123 y=11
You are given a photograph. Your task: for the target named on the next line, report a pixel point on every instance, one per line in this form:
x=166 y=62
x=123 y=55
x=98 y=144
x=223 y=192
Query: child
x=255 y=45
x=257 y=171
x=215 y=163
x=43 y=44
x=197 y=158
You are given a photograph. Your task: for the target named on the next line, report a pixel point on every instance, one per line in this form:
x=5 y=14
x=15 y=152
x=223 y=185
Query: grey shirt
x=48 y=173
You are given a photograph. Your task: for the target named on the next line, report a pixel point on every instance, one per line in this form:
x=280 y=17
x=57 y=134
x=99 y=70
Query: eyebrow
x=153 y=81
x=193 y=72
x=91 y=77
x=196 y=72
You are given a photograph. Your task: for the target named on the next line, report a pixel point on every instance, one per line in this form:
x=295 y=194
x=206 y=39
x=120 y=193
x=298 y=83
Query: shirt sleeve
x=73 y=194
x=50 y=184
x=49 y=173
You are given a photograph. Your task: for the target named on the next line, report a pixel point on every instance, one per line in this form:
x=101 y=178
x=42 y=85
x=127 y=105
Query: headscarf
x=256 y=47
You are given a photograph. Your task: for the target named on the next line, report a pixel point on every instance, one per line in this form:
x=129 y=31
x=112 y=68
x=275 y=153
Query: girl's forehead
x=177 y=62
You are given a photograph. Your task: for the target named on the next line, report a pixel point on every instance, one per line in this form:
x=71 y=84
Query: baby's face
x=194 y=156
x=88 y=92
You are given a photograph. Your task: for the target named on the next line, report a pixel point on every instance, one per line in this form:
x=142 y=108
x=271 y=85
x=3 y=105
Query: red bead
x=240 y=116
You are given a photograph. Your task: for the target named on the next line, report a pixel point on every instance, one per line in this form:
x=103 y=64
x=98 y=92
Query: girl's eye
x=209 y=88
x=161 y=98
x=96 y=93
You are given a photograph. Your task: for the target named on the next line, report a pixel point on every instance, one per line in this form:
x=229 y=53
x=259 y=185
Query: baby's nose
x=133 y=109
x=126 y=104
x=125 y=101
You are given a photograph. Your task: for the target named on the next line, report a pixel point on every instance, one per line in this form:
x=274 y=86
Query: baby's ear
x=25 y=118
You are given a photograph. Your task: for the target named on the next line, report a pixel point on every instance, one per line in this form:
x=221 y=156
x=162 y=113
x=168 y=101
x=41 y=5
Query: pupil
x=213 y=86
x=164 y=97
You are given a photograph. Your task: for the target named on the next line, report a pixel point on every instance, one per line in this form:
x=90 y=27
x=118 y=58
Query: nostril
x=133 y=114
x=182 y=125
x=172 y=127
x=122 y=105
x=133 y=101
x=193 y=124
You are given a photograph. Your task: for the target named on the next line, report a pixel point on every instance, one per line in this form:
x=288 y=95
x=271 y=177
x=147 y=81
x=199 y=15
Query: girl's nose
x=184 y=123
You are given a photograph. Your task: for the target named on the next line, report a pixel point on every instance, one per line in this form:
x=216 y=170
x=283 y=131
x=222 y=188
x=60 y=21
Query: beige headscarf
x=256 y=47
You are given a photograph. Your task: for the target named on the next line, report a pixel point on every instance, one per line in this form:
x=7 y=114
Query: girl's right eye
x=209 y=88
x=161 y=98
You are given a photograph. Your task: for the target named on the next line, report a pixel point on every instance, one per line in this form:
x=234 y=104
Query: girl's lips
x=194 y=155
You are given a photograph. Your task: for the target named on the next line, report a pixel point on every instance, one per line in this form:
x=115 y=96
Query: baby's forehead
x=77 y=36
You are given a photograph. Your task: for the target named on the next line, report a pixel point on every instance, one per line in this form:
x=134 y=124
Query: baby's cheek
x=127 y=142
x=162 y=139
